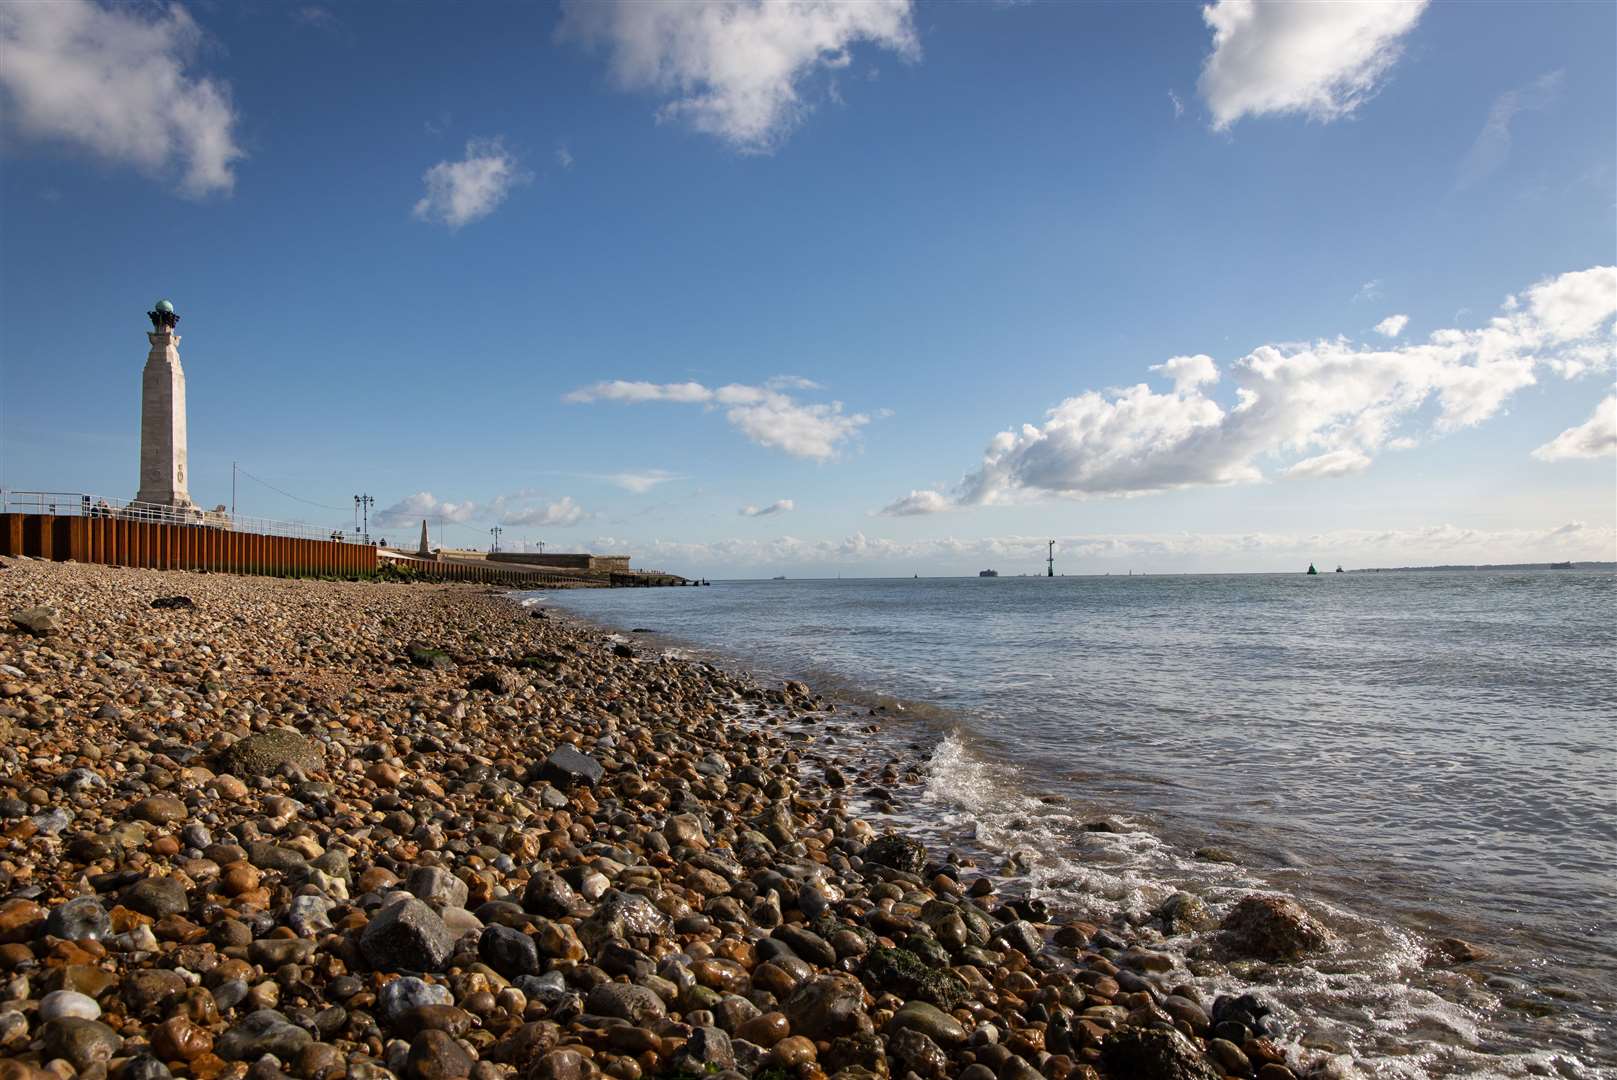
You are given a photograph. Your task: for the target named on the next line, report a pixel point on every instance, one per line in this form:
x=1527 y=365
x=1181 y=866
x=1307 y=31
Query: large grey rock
x=898 y=852
x=636 y=1004
x=568 y=767
x=1274 y=928
x=549 y=895
x=930 y=1021
x=438 y=887
x=156 y=896
x=510 y=952
x=81 y=1042
x=399 y=997
x=264 y=753
x=81 y=918
x=407 y=936
x=622 y=915
x=827 y=1006
x=1154 y=1054
x=263 y=1032
x=38 y=621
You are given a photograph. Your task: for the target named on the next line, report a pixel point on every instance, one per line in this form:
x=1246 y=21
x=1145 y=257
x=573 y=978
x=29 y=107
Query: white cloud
x=1392 y=325
x=518 y=508
x=639 y=483
x=120 y=82
x=768 y=416
x=1334 y=463
x=1492 y=145
x=1322 y=60
x=564 y=157
x=424 y=504
x=1316 y=410
x=1178 y=106
x=461 y=192
x=1370 y=290
x=735 y=69
x=779 y=506
x=558 y=514
x=1594 y=438
x=916 y=503
x=1087 y=552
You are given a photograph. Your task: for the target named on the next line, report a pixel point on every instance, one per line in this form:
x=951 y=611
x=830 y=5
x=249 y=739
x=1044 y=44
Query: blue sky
x=615 y=275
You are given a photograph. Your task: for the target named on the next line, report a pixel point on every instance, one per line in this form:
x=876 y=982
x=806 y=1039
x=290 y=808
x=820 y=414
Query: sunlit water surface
x=1419 y=754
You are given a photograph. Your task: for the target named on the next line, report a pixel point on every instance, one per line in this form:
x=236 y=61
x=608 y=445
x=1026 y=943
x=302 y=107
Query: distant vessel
x=1311 y=569
x=988 y=573
x=1338 y=569
x=1561 y=566
x=778 y=577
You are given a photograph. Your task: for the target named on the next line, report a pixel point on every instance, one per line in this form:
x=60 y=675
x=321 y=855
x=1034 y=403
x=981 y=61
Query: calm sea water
x=1419 y=754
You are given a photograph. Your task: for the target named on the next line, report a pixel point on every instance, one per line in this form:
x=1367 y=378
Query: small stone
x=66 y=1004
x=1154 y=1054
x=437 y=886
x=159 y=810
x=80 y=1042
x=178 y=1039
x=38 y=621
x=263 y=1032
x=898 y=852
x=567 y=767
x=80 y=919
x=265 y=753
x=510 y=952
x=625 y=1001
x=930 y=1021
x=1274 y=928
x=156 y=896
x=401 y=996
x=435 y=1055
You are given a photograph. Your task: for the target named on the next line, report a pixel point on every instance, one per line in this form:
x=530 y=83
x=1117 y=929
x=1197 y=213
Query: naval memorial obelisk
x=162 y=416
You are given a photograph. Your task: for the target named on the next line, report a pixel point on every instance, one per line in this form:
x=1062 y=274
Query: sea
x=1415 y=755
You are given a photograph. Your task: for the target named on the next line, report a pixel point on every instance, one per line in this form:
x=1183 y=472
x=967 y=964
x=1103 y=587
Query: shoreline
x=424 y=881
x=1469 y=997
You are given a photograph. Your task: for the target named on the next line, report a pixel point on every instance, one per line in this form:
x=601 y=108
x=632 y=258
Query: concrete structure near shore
x=565 y=560
x=162 y=416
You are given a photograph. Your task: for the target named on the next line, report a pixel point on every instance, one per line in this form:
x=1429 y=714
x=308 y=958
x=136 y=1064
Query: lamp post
x=495 y=532
x=363 y=504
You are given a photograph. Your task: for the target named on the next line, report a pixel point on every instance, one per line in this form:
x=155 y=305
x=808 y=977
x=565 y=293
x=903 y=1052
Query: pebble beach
x=268 y=828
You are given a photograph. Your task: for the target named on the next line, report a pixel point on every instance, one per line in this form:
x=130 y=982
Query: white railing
x=77 y=504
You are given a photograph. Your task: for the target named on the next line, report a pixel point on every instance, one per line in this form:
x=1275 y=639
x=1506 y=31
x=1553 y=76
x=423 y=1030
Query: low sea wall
x=118 y=541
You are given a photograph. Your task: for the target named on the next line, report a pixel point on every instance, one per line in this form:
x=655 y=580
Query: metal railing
x=78 y=504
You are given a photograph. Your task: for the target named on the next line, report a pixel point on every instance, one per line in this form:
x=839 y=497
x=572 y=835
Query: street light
x=495 y=532
x=363 y=504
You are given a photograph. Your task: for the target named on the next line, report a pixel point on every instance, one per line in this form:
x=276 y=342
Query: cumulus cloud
x=1392 y=325
x=120 y=82
x=735 y=69
x=1492 y=145
x=461 y=192
x=779 y=506
x=1089 y=552
x=764 y=414
x=1594 y=438
x=1322 y=60
x=424 y=504
x=1317 y=410
x=559 y=514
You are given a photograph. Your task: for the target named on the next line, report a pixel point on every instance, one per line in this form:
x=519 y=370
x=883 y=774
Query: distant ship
x=1339 y=570
x=1311 y=569
x=778 y=577
x=988 y=573
x=1561 y=566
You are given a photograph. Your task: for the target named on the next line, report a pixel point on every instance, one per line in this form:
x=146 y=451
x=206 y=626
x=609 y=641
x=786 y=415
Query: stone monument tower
x=162 y=416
